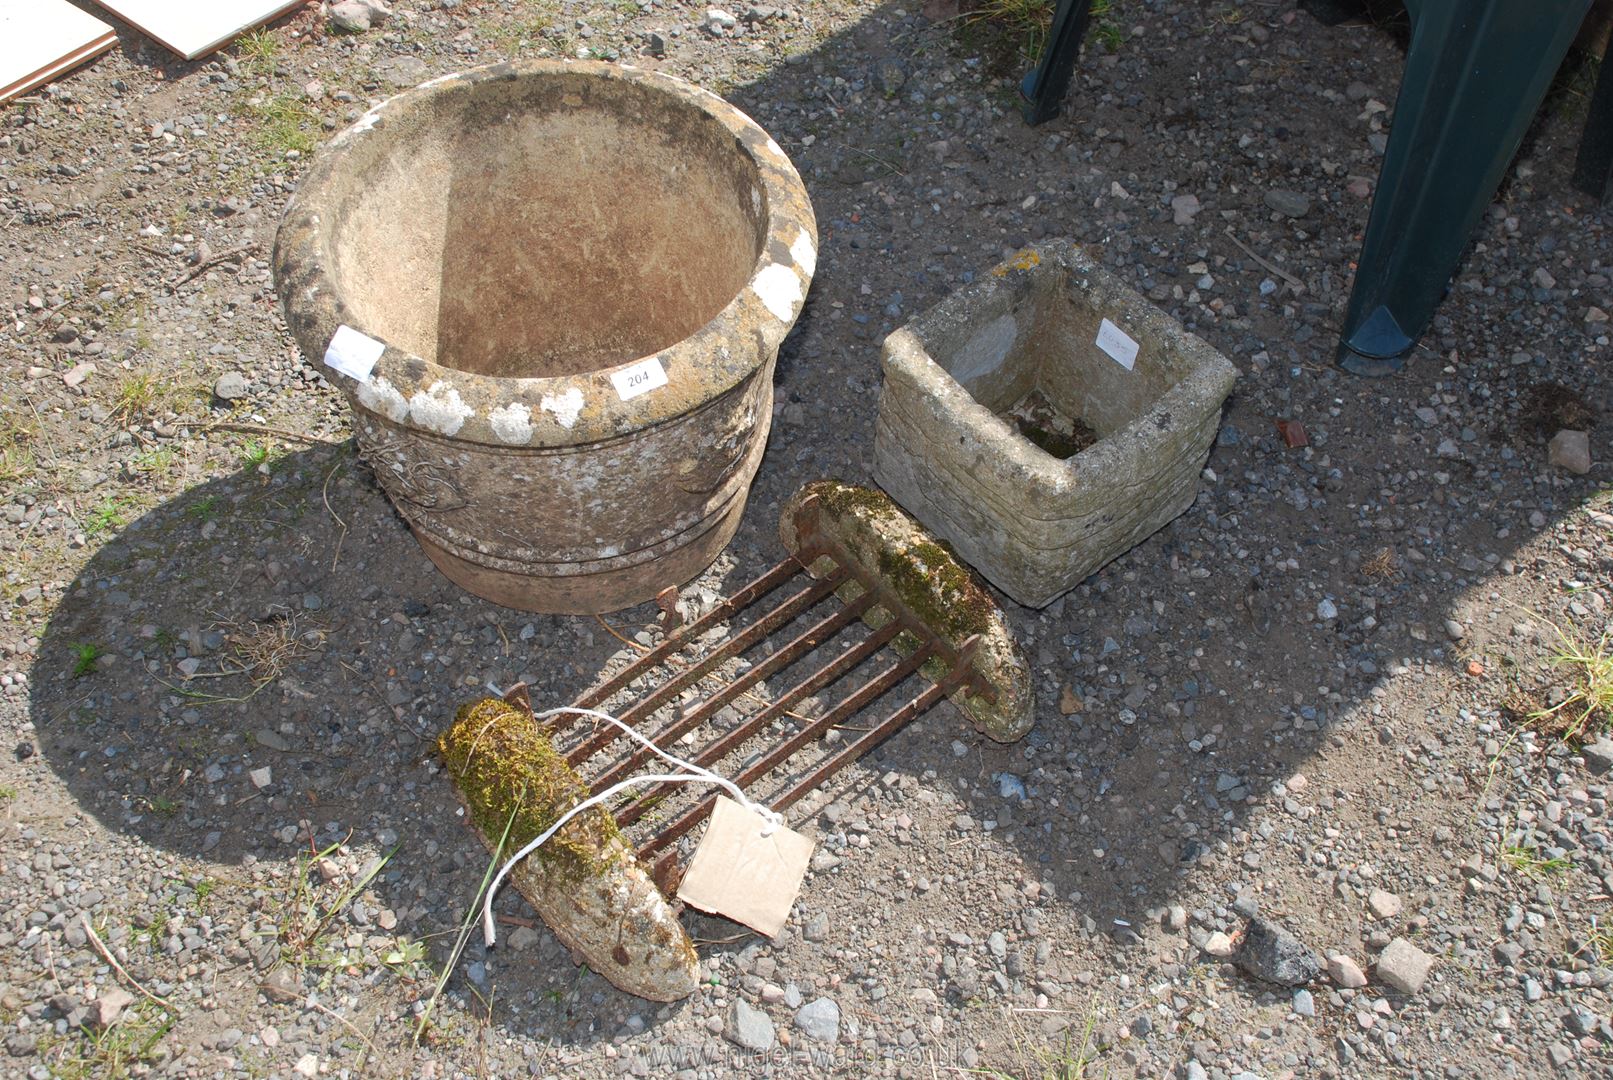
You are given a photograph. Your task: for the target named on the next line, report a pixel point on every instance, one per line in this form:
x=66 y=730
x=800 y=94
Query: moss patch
x=936 y=589
x=922 y=571
x=846 y=500
x=502 y=763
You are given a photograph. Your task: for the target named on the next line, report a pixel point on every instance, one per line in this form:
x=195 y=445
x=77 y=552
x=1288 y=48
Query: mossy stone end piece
x=585 y=880
x=925 y=576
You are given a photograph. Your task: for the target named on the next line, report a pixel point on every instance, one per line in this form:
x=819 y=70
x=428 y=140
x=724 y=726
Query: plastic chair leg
x=1044 y=88
x=1475 y=74
x=1593 y=168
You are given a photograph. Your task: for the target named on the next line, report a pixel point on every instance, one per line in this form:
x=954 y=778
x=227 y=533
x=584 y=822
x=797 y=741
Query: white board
x=195 y=28
x=40 y=39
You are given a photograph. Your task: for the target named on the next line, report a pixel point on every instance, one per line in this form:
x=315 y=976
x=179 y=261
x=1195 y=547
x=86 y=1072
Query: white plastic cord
x=691 y=772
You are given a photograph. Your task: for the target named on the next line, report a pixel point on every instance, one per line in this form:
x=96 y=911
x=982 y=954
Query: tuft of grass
x=162 y=804
x=107 y=515
x=1074 y=1057
x=1013 y=33
x=260 y=50
x=85 y=655
x=156 y=461
x=144 y=396
x=204 y=888
x=472 y=917
x=405 y=951
x=7 y=791
x=203 y=509
x=259 y=650
x=309 y=913
x=1600 y=941
x=254 y=454
x=285 y=123
x=1587 y=709
x=1104 y=28
x=1380 y=563
x=1531 y=865
x=124 y=1049
x=154 y=931
x=1024 y=22
x=16 y=454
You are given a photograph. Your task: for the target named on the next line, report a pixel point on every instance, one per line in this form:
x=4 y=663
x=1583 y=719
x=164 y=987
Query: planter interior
x=552 y=239
x=1038 y=369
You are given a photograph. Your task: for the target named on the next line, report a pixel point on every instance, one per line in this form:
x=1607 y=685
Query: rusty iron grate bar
x=823 y=636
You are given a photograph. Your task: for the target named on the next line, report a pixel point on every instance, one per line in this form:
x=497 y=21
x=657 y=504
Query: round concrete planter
x=578 y=276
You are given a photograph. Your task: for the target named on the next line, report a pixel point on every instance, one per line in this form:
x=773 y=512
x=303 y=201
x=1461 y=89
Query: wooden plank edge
x=216 y=44
x=40 y=76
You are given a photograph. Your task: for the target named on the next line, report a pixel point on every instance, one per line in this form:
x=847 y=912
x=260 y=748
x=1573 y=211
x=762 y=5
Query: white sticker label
x=1117 y=343
x=639 y=378
x=353 y=353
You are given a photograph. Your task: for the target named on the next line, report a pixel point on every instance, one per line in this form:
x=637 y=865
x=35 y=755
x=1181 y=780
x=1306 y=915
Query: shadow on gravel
x=1176 y=686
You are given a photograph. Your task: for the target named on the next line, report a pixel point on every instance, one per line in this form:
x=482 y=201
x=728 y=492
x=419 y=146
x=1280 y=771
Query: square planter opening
x=1046 y=419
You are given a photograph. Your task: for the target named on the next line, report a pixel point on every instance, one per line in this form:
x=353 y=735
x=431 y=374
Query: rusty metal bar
x=870 y=739
x=857 y=700
x=847 y=661
x=761 y=628
x=811 y=638
x=952 y=657
x=736 y=603
x=668 y=872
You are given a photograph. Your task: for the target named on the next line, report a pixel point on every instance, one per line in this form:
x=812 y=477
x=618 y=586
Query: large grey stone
x=1571 y=450
x=1404 y=967
x=1033 y=524
x=230 y=386
x=1345 y=972
x=1289 y=203
x=1598 y=755
x=819 y=1020
x=109 y=1006
x=357 y=16
x=749 y=1027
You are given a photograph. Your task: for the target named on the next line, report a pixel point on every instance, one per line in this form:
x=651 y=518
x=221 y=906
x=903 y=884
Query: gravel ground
x=1281 y=742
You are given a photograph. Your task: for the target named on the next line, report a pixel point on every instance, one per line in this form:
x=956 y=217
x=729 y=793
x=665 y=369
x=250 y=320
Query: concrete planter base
x=1052 y=329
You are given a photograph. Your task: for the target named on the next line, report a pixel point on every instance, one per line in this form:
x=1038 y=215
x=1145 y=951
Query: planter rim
x=907 y=354
x=431 y=399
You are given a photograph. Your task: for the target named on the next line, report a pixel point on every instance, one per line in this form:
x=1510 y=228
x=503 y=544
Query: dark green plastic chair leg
x=1475 y=74
x=1043 y=89
x=1594 y=165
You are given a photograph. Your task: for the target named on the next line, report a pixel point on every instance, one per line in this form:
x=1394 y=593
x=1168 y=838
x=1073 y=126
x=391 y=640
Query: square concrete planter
x=1050 y=336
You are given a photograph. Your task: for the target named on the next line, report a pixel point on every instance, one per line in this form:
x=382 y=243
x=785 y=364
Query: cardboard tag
x=353 y=353
x=1117 y=343
x=741 y=874
x=639 y=378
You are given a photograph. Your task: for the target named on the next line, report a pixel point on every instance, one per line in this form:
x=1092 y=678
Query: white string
x=771 y=820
